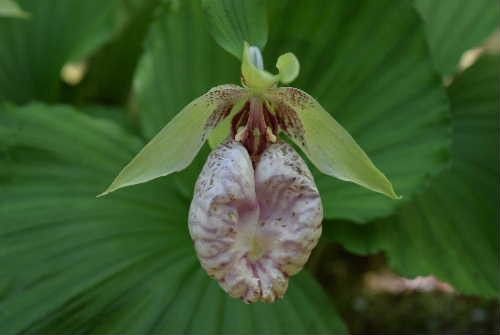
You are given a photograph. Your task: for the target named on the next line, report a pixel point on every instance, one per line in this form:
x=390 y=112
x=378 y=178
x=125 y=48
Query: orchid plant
x=256 y=212
x=85 y=85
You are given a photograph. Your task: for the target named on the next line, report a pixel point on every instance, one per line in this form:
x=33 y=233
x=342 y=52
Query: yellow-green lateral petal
x=288 y=66
x=176 y=145
x=327 y=144
x=255 y=78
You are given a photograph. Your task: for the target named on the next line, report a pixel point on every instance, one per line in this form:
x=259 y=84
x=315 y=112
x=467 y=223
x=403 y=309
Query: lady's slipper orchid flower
x=256 y=212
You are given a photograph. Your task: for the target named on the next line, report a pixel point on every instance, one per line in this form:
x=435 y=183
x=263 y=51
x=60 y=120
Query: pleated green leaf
x=451 y=229
x=367 y=63
x=233 y=22
x=454 y=26
x=111 y=68
x=180 y=62
x=33 y=51
x=71 y=263
x=10 y=8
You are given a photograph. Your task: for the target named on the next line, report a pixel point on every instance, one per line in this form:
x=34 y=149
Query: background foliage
x=389 y=71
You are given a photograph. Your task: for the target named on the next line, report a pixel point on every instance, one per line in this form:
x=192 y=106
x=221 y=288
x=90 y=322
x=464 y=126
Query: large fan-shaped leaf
x=180 y=63
x=32 y=52
x=233 y=22
x=450 y=230
x=453 y=26
x=111 y=69
x=367 y=63
x=71 y=263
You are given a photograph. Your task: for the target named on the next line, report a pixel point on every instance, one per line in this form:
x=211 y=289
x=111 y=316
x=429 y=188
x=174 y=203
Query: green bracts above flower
x=265 y=112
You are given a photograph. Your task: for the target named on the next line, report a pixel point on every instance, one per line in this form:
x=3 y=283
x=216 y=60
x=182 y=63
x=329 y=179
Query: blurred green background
x=84 y=85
